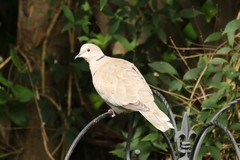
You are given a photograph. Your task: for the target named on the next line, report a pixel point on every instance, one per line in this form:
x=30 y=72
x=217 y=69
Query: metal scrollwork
x=183 y=137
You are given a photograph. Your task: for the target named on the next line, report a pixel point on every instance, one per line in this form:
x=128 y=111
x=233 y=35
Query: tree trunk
x=38 y=36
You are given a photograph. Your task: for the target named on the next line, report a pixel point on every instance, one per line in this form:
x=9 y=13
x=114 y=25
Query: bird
x=121 y=85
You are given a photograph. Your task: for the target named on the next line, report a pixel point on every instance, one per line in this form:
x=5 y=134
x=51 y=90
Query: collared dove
x=122 y=86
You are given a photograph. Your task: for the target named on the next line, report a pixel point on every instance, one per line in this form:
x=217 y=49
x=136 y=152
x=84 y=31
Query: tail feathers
x=157 y=118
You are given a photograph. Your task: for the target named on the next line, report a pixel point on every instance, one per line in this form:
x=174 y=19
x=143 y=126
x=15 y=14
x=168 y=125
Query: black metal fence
x=182 y=137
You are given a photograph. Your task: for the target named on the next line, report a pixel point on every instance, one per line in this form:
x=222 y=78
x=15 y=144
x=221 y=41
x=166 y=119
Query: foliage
x=197 y=76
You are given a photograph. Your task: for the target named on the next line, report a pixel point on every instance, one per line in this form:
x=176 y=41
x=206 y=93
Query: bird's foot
x=113 y=113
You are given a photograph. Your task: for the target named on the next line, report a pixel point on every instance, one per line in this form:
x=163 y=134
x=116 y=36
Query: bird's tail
x=156 y=117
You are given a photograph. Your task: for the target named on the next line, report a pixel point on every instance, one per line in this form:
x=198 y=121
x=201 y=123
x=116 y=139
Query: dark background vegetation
x=188 y=50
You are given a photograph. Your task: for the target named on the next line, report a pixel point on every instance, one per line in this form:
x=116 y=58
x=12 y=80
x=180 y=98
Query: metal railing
x=182 y=137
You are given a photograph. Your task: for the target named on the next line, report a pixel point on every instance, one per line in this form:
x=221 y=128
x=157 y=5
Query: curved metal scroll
x=86 y=128
x=167 y=106
x=182 y=137
x=214 y=122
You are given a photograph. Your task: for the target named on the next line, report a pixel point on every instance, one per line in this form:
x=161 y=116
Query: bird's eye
x=88 y=50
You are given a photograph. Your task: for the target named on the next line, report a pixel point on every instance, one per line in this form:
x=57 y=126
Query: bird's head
x=90 y=52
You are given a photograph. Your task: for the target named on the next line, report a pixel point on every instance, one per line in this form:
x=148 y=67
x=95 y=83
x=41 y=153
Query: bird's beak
x=78 y=55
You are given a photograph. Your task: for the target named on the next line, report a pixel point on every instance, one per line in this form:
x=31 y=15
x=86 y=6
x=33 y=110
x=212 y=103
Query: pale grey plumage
x=122 y=86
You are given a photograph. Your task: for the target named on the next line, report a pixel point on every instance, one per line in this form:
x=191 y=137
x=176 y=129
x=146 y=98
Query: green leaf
x=169 y=56
x=189 y=13
x=138 y=133
x=152 y=78
x=83 y=38
x=162 y=35
x=232 y=26
x=96 y=100
x=175 y=85
x=15 y=59
x=134 y=43
x=235 y=126
x=230 y=29
x=101 y=40
x=190 y=32
x=224 y=85
x=71 y=135
x=160 y=146
x=230 y=37
x=119 y=153
x=22 y=94
x=203 y=150
x=123 y=41
x=222 y=119
x=237 y=48
x=230 y=72
x=102 y=4
x=218 y=95
x=212 y=69
x=115 y=26
x=204 y=115
x=106 y=39
x=150 y=137
x=218 y=61
x=59 y=132
x=235 y=57
x=83 y=24
x=224 y=50
x=163 y=67
x=95 y=41
x=218 y=144
x=3 y=114
x=211 y=102
x=209 y=9
x=202 y=62
x=119 y=150
x=4 y=81
x=192 y=74
x=215 y=152
x=214 y=37
x=48 y=111
x=216 y=79
x=18 y=115
x=67 y=26
x=86 y=6
x=68 y=13
x=4 y=97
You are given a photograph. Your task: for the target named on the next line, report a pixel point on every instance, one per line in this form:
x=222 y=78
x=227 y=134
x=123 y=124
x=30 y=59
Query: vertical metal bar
x=172 y=152
x=129 y=138
x=137 y=153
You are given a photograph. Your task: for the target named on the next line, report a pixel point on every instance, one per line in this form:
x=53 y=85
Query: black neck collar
x=100 y=58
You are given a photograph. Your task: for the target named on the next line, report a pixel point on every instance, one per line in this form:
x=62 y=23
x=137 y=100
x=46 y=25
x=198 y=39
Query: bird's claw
x=113 y=113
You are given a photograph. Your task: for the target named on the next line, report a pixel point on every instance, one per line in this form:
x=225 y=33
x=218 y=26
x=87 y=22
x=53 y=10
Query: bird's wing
x=120 y=83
